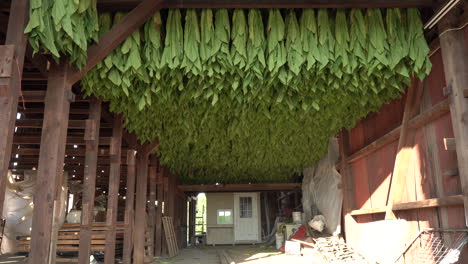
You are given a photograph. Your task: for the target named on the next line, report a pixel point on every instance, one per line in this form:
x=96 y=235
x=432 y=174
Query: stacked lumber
x=68 y=240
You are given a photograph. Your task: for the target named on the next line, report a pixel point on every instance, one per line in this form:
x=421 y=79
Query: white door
x=246 y=217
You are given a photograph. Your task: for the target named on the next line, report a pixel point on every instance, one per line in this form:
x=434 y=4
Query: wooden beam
x=51 y=159
x=397 y=187
x=70 y=160
x=40 y=110
x=129 y=208
x=117 y=34
x=38 y=96
x=240 y=187
x=77 y=152
x=165 y=195
x=158 y=227
x=37 y=123
x=9 y=102
x=126 y=4
x=150 y=147
x=347 y=179
x=432 y=114
x=113 y=196
x=453 y=200
x=192 y=214
x=140 y=208
x=36 y=140
x=152 y=207
x=455 y=57
x=89 y=180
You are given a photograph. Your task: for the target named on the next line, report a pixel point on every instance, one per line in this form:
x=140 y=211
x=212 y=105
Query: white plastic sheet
x=321 y=190
x=18 y=208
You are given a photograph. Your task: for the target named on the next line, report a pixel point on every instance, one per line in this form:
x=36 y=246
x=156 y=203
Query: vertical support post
x=89 y=181
x=160 y=197
x=129 y=208
x=266 y=206
x=152 y=207
x=114 y=180
x=171 y=194
x=184 y=221
x=348 y=186
x=165 y=207
x=51 y=158
x=9 y=101
x=192 y=213
x=140 y=208
x=455 y=57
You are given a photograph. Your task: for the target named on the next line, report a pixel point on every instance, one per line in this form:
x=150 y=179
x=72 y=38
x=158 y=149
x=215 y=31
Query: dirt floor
x=242 y=254
x=252 y=254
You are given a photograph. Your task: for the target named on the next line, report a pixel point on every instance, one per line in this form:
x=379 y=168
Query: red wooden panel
x=380 y=167
x=356 y=138
x=361 y=183
x=436 y=79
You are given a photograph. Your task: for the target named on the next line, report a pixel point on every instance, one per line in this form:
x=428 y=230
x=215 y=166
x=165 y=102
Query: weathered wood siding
x=425 y=178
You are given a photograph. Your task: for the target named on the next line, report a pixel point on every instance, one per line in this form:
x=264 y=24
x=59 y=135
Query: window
x=224 y=216
x=245 y=209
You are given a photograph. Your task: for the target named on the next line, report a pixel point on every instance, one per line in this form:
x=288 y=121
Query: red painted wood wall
x=425 y=179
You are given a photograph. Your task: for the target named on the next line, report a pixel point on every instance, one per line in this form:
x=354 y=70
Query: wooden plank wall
x=429 y=172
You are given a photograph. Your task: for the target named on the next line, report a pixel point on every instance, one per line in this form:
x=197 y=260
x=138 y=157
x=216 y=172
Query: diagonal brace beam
x=116 y=35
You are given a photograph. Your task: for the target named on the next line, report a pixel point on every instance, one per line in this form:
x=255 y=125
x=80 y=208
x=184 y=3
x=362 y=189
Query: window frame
x=224 y=222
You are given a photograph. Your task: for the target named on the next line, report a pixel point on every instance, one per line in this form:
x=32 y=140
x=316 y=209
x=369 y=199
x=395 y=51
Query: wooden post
x=192 y=213
x=455 y=57
x=348 y=187
x=184 y=221
x=397 y=187
x=158 y=228
x=140 y=208
x=113 y=197
x=129 y=208
x=51 y=158
x=89 y=179
x=10 y=86
x=152 y=207
x=165 y=195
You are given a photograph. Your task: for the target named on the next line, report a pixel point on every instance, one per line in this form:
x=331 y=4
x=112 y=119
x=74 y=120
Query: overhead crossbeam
x=128 y=4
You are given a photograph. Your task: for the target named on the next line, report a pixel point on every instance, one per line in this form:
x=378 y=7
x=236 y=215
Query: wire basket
x=434 y=246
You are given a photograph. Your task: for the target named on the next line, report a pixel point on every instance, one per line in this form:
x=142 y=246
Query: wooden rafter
x=116 y=35
x=240 y=187
x=126 y=4
x=37 y=123
x=77 y=152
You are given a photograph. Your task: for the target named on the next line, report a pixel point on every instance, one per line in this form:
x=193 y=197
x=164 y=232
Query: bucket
x=279 y=240
x=297 y=217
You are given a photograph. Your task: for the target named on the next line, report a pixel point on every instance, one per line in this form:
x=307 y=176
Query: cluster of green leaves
x=63 y=26
x=233 y=99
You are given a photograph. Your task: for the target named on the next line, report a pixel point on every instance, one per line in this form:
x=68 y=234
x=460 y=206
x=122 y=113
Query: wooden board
x=171 y=238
